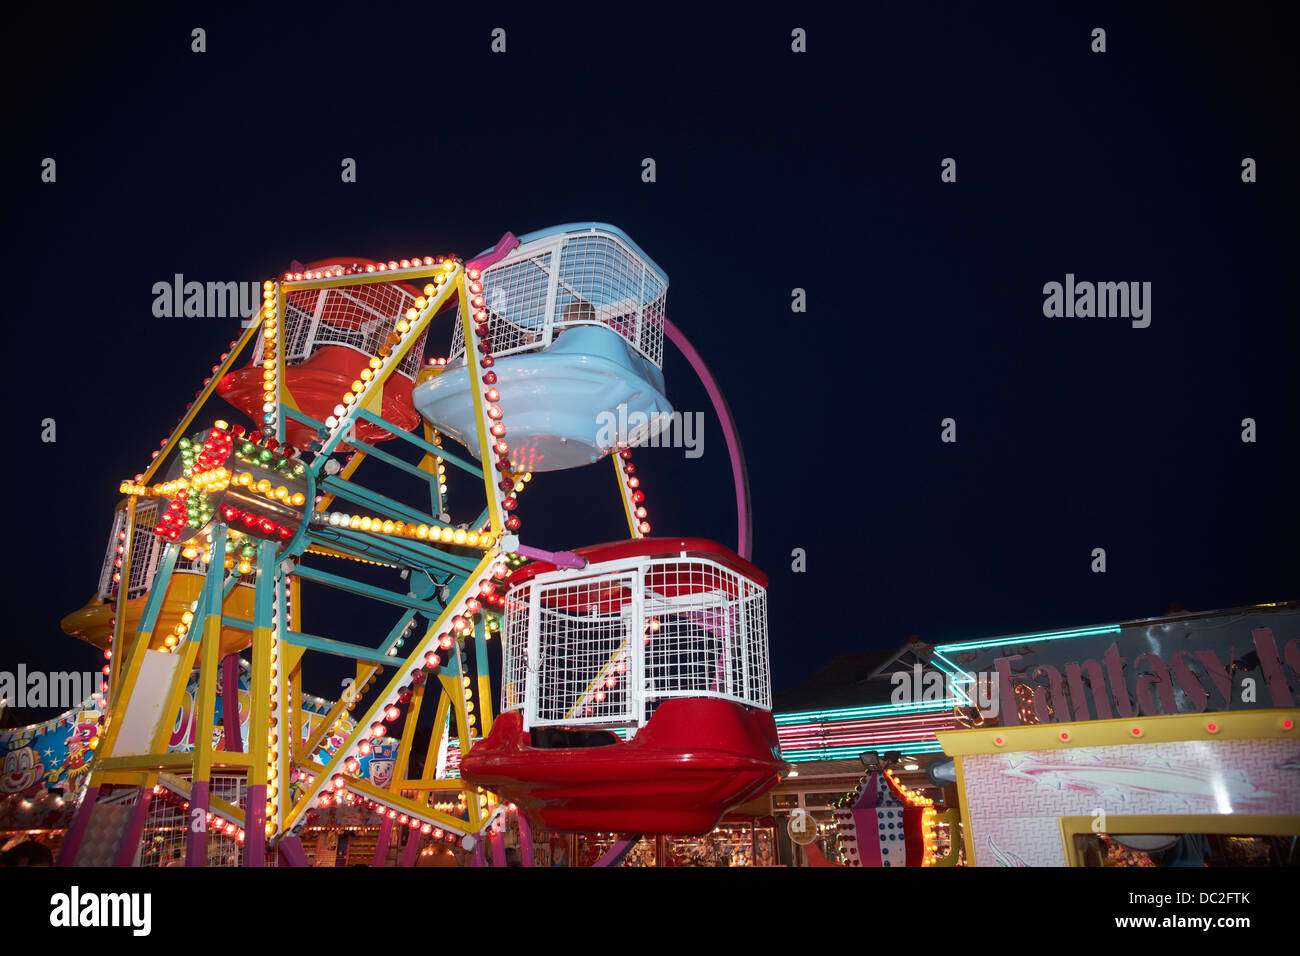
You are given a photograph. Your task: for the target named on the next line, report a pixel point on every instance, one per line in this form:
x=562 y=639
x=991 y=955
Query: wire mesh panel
x=557 y=282
x=358 y=317
x=516 y=297
x=580 y=638
x=514 y=649
x=146 y=554
x=604 y=646
x=753 y=623
x=603 y=281
x=168 y=821
x=705 y=633
x=146 y=551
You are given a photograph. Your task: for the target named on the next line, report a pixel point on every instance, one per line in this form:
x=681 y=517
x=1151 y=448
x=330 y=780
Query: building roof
x=844 y=682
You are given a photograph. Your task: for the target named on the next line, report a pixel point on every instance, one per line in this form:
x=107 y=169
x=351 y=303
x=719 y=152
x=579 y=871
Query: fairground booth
x=1167 y=742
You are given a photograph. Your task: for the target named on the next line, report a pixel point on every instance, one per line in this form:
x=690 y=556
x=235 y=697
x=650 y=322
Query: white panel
x=144 y=709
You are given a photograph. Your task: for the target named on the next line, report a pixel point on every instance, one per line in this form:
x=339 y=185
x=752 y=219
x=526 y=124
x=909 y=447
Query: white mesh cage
x=592 y=277
x=146 y=551
x=514 y=649
x=167 y=825
x=358 y=317
x=146 y=554
x=605 y=645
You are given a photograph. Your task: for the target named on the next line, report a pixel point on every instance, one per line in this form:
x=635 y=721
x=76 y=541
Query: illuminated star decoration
x=217 y=461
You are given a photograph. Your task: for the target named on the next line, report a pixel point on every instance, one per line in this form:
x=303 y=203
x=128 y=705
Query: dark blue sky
x=775 y=170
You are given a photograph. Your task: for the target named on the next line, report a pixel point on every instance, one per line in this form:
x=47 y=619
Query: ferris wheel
x=635 y=693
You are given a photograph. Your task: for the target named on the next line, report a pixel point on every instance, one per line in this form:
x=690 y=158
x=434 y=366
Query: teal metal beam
x=213 y=581
x=395 y=550
x=350 y=490
x=305 y=419
x=264 y=588
x=392 y=460
x=158 y=588
x=366 y=590
x=338 y=648
x=424 y=589
x=423 y=445
x=231 y=583
x=363 y=545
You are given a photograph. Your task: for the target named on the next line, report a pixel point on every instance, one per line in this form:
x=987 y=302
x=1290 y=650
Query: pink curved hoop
x=739 y=474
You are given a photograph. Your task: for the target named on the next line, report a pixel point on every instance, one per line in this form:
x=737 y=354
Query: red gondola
x=330 y=335
x=664 y=638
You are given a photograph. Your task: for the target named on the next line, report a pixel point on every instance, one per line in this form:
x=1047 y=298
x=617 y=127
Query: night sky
x=775 y=170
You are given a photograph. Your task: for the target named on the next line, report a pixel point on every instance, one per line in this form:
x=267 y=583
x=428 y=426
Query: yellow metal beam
x=259 y=692
x=633 y=526
x=249 y=334
x=139 y=763
x=409 y=807
x=455 y=689
x=475 y=366
x=408 y=736
x=435 y=739
x=223 y=809
x=445 y=783
x=1226 y=725
x=414 y=659
x=119 y=613
x=122 y=778
x=283 y=752
x=484 y=694
x=370 y=278
x=205 y=704
x=364 y=673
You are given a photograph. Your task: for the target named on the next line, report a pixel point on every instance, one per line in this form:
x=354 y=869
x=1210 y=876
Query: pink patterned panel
x=1015 y=799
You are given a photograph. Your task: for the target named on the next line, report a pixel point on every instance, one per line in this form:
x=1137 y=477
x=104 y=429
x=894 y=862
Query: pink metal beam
x=230 y=704
x=561 y=559
x=291 y=853
x=381 y=845
x=496 y=254
x=72 y=840
x=255 y=826
x=412 y=851
x=525 y=840
x=739 y=475
x=196 y=838
x=125 y=855
x=615 y=854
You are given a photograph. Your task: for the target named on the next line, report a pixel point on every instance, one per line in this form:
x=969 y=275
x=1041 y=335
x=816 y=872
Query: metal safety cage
x=168 y=821
x=603 y=646
x=146 y=554
x=589 y=277
x=358 y=317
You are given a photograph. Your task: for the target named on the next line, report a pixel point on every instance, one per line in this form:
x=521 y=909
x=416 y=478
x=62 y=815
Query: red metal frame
x=653 y=548
x=317 y=382
x=693 y=760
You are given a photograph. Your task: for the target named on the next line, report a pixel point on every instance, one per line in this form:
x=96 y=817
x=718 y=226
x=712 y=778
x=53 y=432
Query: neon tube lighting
x=1028 y=638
